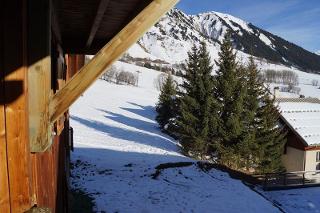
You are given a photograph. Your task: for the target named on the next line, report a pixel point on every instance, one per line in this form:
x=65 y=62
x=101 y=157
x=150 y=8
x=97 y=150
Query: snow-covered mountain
x=318 y=52
x=172 y=37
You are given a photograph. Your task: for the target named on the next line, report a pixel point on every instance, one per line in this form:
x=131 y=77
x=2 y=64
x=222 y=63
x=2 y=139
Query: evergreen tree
x=248 y=147
x=166 y=105
x=196 y=120
x=262 y=142
x=230 y=92
x=270 y=137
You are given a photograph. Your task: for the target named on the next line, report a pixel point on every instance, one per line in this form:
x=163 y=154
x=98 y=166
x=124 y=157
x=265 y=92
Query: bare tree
x=110 y=74
x=128 y=78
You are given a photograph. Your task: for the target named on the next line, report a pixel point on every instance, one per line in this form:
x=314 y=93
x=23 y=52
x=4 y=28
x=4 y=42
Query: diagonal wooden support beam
x=62 y=100
x=96 y=23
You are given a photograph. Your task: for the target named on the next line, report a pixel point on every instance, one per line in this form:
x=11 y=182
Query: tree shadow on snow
x=147 y=126
x=156 y=141
x=121 y=158
x=144 y=111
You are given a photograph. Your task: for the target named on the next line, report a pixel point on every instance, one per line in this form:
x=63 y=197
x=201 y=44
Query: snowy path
x=117 y=147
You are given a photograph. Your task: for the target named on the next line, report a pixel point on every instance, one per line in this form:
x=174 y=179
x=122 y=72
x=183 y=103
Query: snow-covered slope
x=118 y=145
x=173 y=36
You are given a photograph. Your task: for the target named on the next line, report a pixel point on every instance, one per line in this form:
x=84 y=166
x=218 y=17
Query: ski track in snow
x=118 y=145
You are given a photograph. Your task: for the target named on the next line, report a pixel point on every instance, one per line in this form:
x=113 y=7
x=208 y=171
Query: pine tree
x=248 y=147
x=166 y=105
x=270 y=137
x=196 y=120
x=262 y=140
x=230 y=92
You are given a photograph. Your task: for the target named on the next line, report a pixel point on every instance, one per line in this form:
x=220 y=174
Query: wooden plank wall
x=15 y=106
x=49 y=168
x=26 y=179
x=74 y=64
x=4 y=185
x=49 y=173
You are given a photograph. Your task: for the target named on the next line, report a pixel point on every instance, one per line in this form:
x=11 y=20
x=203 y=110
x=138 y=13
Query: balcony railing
x=274 y=181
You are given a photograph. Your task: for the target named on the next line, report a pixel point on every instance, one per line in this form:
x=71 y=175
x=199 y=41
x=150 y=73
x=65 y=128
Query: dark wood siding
x=26 y=179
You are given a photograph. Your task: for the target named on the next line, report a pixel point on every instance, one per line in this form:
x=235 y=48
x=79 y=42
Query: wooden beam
x=39 y=74
x=96 y=23
x=62 y=100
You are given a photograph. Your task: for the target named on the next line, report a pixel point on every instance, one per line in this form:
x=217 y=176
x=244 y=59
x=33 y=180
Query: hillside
x=118 y=145
x=172 y=37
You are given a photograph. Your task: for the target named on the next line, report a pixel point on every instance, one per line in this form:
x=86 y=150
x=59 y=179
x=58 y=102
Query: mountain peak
x=174 y=35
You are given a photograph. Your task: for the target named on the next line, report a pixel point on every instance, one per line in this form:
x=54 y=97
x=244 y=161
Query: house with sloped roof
x=301 y=117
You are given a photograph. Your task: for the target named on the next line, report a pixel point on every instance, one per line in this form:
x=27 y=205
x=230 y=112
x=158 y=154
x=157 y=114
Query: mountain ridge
x=173 y=36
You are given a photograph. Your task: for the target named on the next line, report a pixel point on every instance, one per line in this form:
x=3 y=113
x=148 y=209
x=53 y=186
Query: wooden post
x=107 y=55
x=39 y=74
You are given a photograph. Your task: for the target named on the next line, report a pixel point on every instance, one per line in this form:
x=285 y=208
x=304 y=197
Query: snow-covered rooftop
x=304 y=118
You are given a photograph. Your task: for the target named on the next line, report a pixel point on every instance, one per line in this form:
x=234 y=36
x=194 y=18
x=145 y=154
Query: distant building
x=301 y=117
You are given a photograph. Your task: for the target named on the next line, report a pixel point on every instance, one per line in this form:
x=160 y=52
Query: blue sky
x=297 y=21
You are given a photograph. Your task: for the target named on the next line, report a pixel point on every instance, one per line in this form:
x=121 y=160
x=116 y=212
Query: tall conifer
x=230 y=93
x=196 y=122
x=270 y=137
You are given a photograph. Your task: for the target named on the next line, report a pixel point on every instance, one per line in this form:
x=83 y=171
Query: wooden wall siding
x=16 y=102
x=74 y=64
x=49 y=175
x=4 y=185
x=107 y=55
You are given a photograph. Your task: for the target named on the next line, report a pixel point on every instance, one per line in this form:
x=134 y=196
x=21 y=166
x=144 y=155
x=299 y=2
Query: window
x=318 y=167
x=318 y=157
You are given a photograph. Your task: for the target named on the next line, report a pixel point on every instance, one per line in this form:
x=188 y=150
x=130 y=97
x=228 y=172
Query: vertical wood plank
x=4 y=184
x=15 y=71
x=39 y=74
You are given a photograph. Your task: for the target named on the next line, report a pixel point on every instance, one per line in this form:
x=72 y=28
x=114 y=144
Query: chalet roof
x=303 y=117
x=85 y=26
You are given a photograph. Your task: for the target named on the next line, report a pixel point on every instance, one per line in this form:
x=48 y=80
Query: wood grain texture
x=4 y=179
x=39 y=76
x=107 y=55
x=4 y=184
x=16 y=111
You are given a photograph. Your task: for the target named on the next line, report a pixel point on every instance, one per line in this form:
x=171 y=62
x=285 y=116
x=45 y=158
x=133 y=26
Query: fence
x=291 y=180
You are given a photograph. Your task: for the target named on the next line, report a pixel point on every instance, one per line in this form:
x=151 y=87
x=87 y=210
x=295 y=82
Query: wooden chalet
x=42 y=72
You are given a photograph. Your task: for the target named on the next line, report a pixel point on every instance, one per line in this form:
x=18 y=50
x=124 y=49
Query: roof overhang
x=85 y=26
